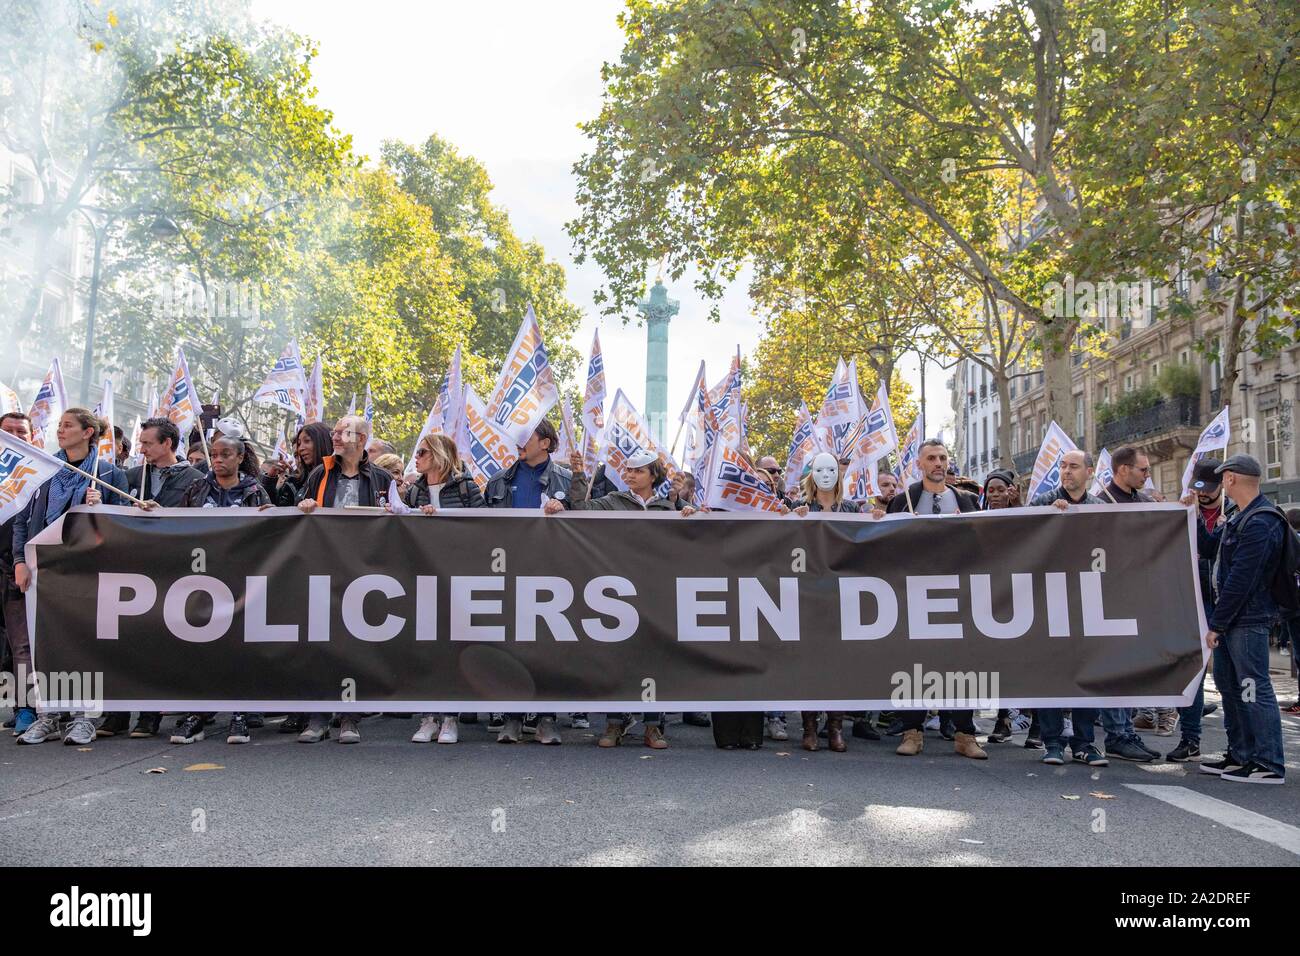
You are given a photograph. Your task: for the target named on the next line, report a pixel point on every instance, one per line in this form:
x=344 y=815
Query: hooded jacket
x=206 y=493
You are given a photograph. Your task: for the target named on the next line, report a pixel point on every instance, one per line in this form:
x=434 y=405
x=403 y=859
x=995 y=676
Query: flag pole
x=100 y=481
x=672 y=449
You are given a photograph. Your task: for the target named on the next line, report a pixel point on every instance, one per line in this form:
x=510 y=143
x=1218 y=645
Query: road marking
x=1229 y=814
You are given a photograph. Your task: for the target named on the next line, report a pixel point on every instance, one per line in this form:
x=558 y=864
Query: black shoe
x=238 y=730
x=1142 y=743
x=9 y=724
x=336 y=720
x=1210 y=708
x=146 y=726
x=495 y=723
x=293 y=724
x=697 y=719
x=1001 y=731
x=1033 y=742
x=469 y=718
x=947 y=729
x=863 y=730
x=1186 y=750
x=1224 y=764
x=255 y=721
x=895 y=728
x=530 y=723
x=1252 y=773
x=113 y=724
x=189 y=730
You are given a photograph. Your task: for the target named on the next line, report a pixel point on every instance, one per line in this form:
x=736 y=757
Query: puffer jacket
x=460 y=492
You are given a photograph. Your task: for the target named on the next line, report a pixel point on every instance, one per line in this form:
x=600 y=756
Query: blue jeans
x=1254 y=726
x=1189 y=717
x=1051 y=721
x=1118 y=724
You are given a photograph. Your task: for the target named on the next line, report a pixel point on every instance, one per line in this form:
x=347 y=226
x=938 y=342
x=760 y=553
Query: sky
x=508 y=82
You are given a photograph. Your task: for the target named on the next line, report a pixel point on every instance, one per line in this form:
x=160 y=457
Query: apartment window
x=1272 y=446
x=1185 y=357
x=1105 y=393
x=1015 y=438
x=1011 y=388
x=1042 y=425
x=1216 y=368
x=1183 y=277
x=1078 y=415
x=1130 y=382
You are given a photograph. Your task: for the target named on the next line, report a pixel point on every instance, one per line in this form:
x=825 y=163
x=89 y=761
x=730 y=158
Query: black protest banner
x=228 y=609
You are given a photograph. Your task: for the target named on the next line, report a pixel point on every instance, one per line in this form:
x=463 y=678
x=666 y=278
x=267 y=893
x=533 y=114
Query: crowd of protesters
x=1242 y=542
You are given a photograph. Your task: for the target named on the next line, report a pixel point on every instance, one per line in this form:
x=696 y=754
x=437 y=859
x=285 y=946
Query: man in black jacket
x=342 y=479
x=346 y=477
x=931 y=495
x=167 y=476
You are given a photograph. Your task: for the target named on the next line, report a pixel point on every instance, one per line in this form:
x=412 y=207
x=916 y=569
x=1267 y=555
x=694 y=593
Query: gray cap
x=1241 y=465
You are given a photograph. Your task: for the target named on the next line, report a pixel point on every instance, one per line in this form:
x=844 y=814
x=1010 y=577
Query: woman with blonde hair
x=442 y=484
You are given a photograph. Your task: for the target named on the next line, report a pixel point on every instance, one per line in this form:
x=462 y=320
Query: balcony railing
x=1216 y=401
x=1024 y=462
x=1161 y=417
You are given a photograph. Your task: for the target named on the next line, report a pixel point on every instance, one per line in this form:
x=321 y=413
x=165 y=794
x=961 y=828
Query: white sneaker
x=428 y=730
x=931 y=723
x=450 y=733
x=776 y=729
x=1020 y=722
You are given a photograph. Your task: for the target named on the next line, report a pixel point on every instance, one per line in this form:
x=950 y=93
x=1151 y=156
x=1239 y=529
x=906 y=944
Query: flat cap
x=1241 y=465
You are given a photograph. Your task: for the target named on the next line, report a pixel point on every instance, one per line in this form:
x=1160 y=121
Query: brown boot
x=835 y=733
x=913 y=743
x=810 y=730
x=968 y=746
x=654 y=738
x=613 y=735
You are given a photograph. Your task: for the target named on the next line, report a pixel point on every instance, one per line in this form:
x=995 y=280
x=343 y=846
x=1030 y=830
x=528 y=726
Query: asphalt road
x=389 y=801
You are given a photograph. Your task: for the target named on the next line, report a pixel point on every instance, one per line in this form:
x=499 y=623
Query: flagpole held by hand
x=101 y=482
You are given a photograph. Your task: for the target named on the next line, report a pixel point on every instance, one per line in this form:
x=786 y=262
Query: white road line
x=1229 y=814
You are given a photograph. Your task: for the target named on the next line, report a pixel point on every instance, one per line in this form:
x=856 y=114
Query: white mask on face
x=826 y=472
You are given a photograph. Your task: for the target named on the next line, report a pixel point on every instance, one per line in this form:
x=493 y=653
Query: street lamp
x=163 y=227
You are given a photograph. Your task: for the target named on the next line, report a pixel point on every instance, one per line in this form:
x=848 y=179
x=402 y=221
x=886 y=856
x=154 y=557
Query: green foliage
x=1179 y=381
x=1130 y=403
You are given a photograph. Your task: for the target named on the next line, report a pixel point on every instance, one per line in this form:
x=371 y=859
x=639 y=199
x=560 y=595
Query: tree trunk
x=1002 y=382
x=1233 y=322
x=1055 y=344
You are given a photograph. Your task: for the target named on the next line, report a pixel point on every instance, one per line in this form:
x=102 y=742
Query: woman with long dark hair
x=284 y=483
